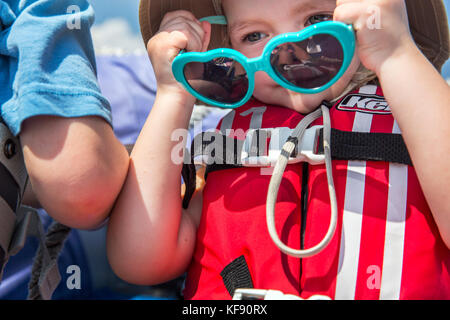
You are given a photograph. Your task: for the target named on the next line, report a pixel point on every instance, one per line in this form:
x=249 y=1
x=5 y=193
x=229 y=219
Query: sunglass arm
x=222 y=20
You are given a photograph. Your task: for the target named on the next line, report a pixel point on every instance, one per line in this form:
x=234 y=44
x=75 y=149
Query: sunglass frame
x=344 y=33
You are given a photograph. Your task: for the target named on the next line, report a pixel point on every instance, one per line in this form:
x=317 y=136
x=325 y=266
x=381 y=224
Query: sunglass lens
x=310 y=63
x=223 y=80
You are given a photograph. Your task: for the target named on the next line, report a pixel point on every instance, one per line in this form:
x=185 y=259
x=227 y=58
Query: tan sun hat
x=151 y=12
x=427 y=21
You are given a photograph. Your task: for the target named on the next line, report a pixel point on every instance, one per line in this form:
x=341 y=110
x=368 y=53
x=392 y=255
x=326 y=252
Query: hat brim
x=427 y=22
x=151 y=13
x=429 y=28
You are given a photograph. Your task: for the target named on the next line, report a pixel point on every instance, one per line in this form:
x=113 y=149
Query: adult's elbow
x=82 y=202
x=87 y=205
x=76 y=166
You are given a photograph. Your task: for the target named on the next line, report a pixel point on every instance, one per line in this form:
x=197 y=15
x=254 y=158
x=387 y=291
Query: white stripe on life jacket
x=353 y=213
x=395 y=230
x=257 y=116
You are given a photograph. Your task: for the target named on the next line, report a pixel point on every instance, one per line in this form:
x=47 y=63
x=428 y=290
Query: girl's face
x=252 y=23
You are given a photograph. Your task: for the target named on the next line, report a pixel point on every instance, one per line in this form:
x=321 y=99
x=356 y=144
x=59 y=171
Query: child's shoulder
x=364 y=110
x=367 y=99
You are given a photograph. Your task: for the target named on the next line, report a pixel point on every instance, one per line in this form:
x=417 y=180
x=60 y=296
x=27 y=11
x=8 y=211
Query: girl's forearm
x=147 y=224
x=420 y=101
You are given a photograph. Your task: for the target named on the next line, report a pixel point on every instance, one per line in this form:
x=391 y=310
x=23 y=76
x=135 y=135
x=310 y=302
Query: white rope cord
x=277 y=176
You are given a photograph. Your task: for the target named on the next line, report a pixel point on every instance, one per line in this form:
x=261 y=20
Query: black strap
x=344 y=146
x=207 y=143
x=190 y=178
x=230 y=148
x=9 y=189
x=2 y=261
x=236 y=275
x=366 y=146
x=225 y=150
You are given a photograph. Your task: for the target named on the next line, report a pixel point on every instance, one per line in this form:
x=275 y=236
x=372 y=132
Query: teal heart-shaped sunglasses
x=308 y=61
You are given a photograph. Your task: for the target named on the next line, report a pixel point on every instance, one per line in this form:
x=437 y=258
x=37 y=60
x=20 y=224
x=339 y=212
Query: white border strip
x=353 y=213
x=395 y=230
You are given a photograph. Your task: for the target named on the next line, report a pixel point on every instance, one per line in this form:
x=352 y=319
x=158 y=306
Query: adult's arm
x=50 y=98
x=76 y=167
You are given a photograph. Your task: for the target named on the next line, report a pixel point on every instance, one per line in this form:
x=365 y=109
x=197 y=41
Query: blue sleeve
x=47 y=62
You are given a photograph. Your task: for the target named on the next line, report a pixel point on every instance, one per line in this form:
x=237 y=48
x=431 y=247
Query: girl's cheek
x=248 y=50
x=263 y=81
x=354 y=66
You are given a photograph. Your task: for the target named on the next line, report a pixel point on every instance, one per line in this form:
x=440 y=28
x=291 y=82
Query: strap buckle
x=256 y=139
x=262 y=294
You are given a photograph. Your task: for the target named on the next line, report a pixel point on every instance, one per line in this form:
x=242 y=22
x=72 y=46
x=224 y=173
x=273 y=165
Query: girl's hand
x=382 y=29
x=179 y=30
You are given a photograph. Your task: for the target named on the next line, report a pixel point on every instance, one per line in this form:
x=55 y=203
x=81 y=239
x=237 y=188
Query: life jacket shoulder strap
x=13 y=180
x=366 y=146
x=18 y=222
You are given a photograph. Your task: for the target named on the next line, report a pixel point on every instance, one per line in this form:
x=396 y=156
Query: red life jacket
x=386 y=244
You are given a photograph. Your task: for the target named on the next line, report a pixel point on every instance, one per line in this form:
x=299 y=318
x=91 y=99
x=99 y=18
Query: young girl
x=393 y=230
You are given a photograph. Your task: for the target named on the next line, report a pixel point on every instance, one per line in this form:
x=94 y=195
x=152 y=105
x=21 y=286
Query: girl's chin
x=302 y=103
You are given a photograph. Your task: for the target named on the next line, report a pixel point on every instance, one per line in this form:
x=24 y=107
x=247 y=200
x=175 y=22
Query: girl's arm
x=420 y=102
x=419 y=97
x=150 y=238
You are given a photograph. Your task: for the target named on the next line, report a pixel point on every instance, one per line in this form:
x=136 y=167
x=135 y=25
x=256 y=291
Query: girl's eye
x=318 y=18
x=254 y=36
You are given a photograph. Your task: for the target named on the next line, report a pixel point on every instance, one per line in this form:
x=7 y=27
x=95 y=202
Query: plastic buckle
x=262 y=294
x=278 y=137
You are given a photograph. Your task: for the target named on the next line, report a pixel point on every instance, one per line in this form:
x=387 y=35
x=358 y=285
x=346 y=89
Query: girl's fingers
x=341 y=2
x=351 y=12
x=194 y=41
x=177 y=15
x=165 y=46
x=195 y=25
x=186 y=23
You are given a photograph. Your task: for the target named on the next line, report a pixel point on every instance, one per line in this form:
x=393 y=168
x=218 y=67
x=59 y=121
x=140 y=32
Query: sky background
x=116 y=28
